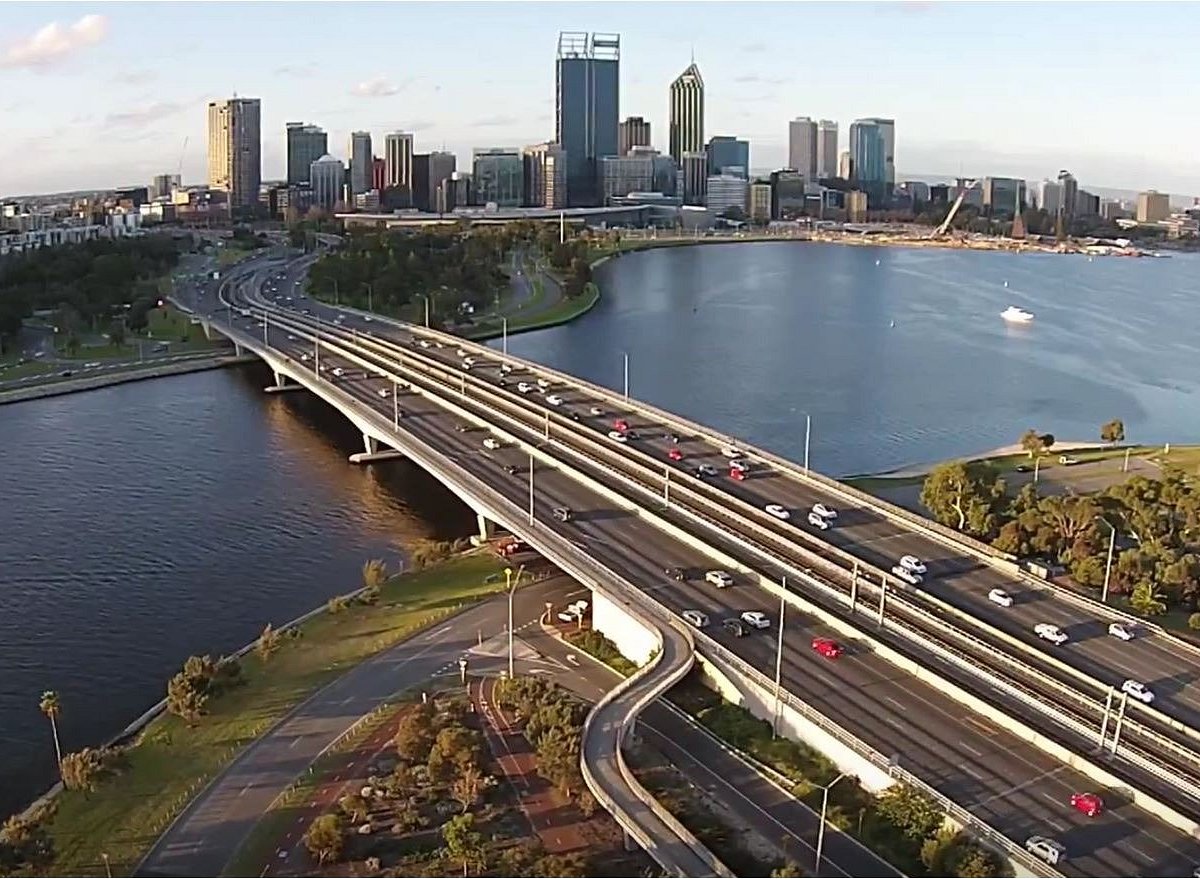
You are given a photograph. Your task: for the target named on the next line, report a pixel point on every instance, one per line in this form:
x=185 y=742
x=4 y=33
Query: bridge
x=938 y=689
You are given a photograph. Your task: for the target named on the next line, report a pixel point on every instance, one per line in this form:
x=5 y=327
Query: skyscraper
x=827 y=149
x=398 y=159
x=441 y=167
x=545 y=175
x=695 y=177
x=305 y=144
x=728 y=155
x=326 y=175
x=586 y=105
x=1070 y=189
x=687 y=114
x=887 y=130
x=634 y=131
x=802 y=146
x=868 y=155
x=235 y=150
x=361 y=167
x=499 y=176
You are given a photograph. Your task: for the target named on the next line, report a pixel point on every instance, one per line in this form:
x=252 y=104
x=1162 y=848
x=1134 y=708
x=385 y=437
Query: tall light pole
x=779 y=660
x=821 y=830
x=510 y=583
x=504 y=336
x=807 y=436
x=625 y=356
x=395 y=404
x=266 y=321
x=1112 y=543
x=531 y=488
x=370 y=297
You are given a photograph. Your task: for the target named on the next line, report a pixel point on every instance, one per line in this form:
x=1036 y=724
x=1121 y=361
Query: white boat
x=1015 y=315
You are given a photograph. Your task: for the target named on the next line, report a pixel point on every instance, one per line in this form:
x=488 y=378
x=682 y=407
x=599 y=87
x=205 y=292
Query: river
x=898 y=355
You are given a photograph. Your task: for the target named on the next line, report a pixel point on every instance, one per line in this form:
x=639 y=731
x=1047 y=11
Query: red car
x=621 y=424
x=1089 y=804
x=674 y=454
x=737 y=475
x=827 y=647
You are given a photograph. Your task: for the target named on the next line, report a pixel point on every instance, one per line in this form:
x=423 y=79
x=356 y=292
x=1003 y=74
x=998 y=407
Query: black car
x=510 y=469
x=676 y=573
x=462 y=428
x=673 y=437
x=504 y=383
x=734 y=625
x=563 y=514
x=1023 y=468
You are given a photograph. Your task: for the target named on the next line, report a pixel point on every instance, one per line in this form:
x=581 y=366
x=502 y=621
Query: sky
x=96 y=95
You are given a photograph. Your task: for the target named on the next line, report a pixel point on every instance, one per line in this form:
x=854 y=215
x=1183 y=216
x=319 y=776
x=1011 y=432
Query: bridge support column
x=487 y=528
x=370 y=444
x=208 y=331
x=630 y=843
x=237 y=348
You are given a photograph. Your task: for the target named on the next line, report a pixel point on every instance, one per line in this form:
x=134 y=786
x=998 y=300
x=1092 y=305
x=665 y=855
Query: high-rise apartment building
x=305 y=144
x=687 y=113
x=1153 y=206
x=633 y=132
x=868 y=154
x=728 y=155
x=803 y=139
x=587 y=98
x=235 y=150
x=499 y=176
x=441 y=167
x=361 y=164
x=327 y=176
x=1070 y=190
x=545 y=175
x=1050 y=197
x=695 y=177
x=621 y=175
x=760 y=201
x=827 y=149
x=398 y=160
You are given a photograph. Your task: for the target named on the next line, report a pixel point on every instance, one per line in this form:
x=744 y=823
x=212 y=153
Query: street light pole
x=426 y=297
x=504 y=337
x=395 y=404
x=779 y=661
x=508 y=585
x=1125 y=466
x=882 y=598
x=1112 y=543
x=807 y=435
x=1037 y=462
x=625 y=355
x=821 y=830
x=531 y=488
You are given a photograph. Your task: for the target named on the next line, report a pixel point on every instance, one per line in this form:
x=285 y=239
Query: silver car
x=696 y=618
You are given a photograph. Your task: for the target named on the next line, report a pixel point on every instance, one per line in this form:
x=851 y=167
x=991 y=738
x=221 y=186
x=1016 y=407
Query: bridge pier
x=487 y=528
x=373 y=451
x=630 y=843
x=237 y=348
x=208 y=330
x=281 y=385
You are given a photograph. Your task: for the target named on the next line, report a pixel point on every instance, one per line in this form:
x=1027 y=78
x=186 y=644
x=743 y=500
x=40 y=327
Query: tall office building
x=1070 y=191
x=546 y=175
x=1153 y=206
x=724 y=192
x=586 y=105
x=164 y=184
x=326 y=177
x=868 y=156
x=1050 y=197
x=621 y=175
x=827 y=149
x=499 y=176
x=687 y=114
x=845 y=168
x=398 y=160
x=728 y=155
x=305 y=144
x=887 y=130
x=235 y=150
x=803 y=139
x=441 y=167
x=634 y=131
x=361 y=166
x=378 y=173
x=1004 y=195
x=421 y=197
x=695 y=177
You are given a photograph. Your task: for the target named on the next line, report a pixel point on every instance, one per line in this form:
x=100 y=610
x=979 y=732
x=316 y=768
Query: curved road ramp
x=642 y=817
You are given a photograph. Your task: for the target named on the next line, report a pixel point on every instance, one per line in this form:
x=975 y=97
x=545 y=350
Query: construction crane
x=179 y=167
x=967 y=186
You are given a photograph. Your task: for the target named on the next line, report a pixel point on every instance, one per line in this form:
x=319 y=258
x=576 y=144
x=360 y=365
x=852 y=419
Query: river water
x=148 y=521
x=899 y=355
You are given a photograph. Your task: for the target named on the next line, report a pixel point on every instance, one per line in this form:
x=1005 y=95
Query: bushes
x=429 y=552
x=597 y=645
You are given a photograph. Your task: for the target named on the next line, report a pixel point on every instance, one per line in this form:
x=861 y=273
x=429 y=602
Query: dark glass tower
x=587 y=99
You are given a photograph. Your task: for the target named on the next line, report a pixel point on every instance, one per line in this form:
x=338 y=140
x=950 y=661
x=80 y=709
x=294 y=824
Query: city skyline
x=90 y=79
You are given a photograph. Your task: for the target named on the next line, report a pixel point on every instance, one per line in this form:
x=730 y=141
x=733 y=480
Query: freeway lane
x=1019 y=788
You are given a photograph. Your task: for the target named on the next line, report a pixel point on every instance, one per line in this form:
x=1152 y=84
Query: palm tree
x=52 y=708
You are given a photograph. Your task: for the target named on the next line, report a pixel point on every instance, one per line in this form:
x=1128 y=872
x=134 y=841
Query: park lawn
x=1186 y=458
x=229 y=254
x=171 y=762
x=8 y=372
x=560 y=312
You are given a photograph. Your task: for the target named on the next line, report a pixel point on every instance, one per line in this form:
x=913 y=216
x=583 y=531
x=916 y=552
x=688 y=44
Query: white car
x=596 y=410
x=912 y=563
x=720 y=579
x=424 y=343
x=367 y=318
x=1050 y=632
x=470 y=361
x=543 y=384
x=756 y=618
x=304 y=358
x=778 y=511
x=819 y=522
x=824 y=511
x=740 y=464
x=911 y=577
x=617 y=436
x=732 y=452
x=291 y=338
x=383 y=392
x=1124 y=631
x=1000 y=597
x=706 y=470
x=466 y=364
x=462 y=352
x=696 y=618
x=1137 y=690
x=579 y=607
x=338 y=371
x=524 y=387
x=554 y=400
x=1049 y=850
x=491 y=443
x=505 y=368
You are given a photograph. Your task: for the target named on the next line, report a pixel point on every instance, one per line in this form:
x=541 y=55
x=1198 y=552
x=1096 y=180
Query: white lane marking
x=295 y=742
x=970 y=750
x=1138 y=851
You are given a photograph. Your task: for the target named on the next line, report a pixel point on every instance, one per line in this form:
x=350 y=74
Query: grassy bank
x=171 y=761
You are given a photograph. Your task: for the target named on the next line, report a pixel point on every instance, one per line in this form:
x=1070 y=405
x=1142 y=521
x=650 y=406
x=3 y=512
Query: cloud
x=135 y=77
x=755 y=79
x=299 y=71
x=754 y=47
x=55 y=43
x=494 y=121
x=377 y=87
x=144 y=115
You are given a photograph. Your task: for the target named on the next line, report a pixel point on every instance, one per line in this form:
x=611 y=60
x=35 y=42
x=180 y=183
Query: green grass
x=166 y=324
x=229 y=254
x=171 y=762
x=10 y=371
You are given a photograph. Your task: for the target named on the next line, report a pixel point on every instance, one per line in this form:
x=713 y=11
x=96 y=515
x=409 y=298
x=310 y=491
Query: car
x=543 y=384
x=565 y=616
x=510 y=469
x=580 y=607
x=596 y=410
x=720 y=579
x=674 y=454
x=383 y=392
x=66 y=373
x=491 y=443
x=1049 y=850
x=616 y=435
x=705 y=470
x=735 y=626
x=505 y=368
x=554 y=400
x=502 y=382
x=671 y=437
x=1138 y=690
x=778 y=511
x=304 y=358
x=338 y=371
x=732 y=452
x=756 y=618
x=912 y=563
x=818 y=522
x=910 y=577
x=462 y=352
x=424 y=343
x=676 y=573
x=367 y=318
x=466 y=364
x=1124 y=631
x=621 y=424
x=696 y=618
x=1000 y=597
x=1067 y=460
x=524 y=387
x=470 y=361
x=462 y=428
x=438 y=345
x=824 y=511
x=827 y=647
x=740 y=464
x=737 y=475
x=1050 y=632
x=574 y=416
x=291 y=338
x=563 y=514
x=1089 y=804
x=1023 y=468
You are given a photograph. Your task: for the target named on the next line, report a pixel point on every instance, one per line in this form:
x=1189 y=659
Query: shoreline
x=913 y=471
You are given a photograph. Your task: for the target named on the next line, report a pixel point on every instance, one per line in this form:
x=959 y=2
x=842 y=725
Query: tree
x=414 y=734
x=910 y=811
x=202 y=677
x=52 y=708
x=557 y=753
x=374 y=573
x=186 y=698
x=1113 y=432
x=467 y=787
x=789 y=868
x=965 y=496
x=463 y=842
x=974 y=860
x=24 y=842
x=1031 y=442
x=354 y=807
x=268 y=642
x=1147 y=600
x=454 y=749
x=116 y=332
x=323 y=839
x=83 y=769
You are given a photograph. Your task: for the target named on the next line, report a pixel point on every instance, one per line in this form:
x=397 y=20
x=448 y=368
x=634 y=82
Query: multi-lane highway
x=1013 y=786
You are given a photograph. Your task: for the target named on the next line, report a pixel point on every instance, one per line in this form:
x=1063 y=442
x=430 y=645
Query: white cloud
x=135 y=77
x=144 y=115
x=54 y=43
x=377 y=87
x=300 y=71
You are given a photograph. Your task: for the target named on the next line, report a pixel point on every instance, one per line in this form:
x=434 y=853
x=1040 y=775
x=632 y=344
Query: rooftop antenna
x=693 y=53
